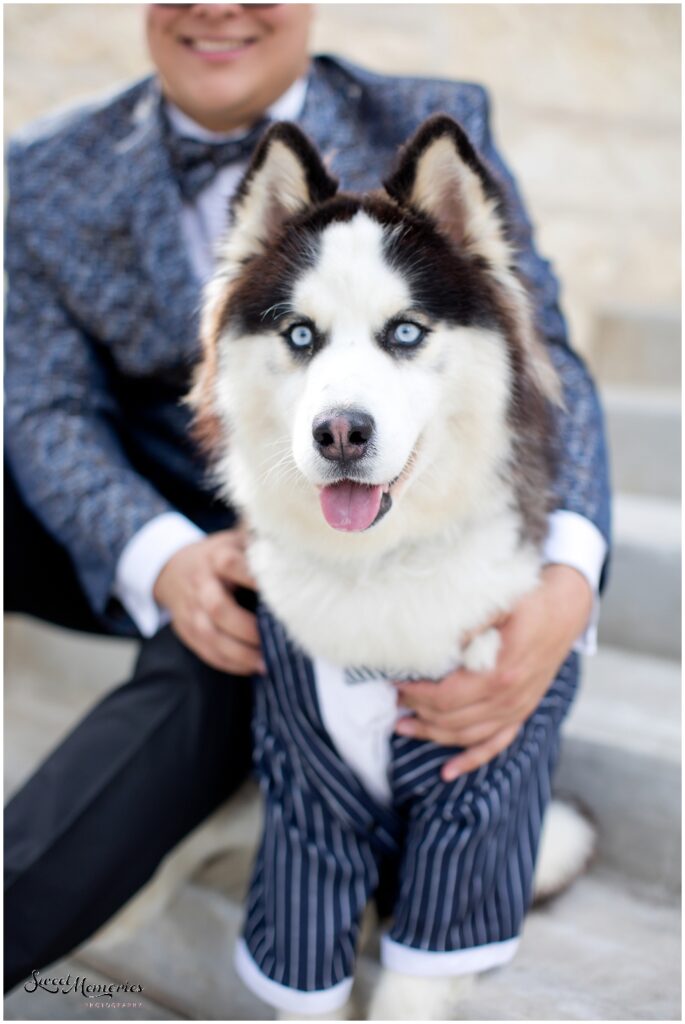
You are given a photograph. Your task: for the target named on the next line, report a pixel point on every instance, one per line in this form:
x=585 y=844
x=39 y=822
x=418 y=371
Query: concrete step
x=637 y=346
x=38 y=654
x=644 y=428
x=641 y=608
x=621 y=759
x=631 y=702
x=603 y=951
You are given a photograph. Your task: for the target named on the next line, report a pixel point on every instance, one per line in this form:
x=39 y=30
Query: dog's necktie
x=196 y=163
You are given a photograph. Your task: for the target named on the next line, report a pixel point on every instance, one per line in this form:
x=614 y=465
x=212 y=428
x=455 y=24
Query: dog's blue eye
x=408 y=334
x=300 y=336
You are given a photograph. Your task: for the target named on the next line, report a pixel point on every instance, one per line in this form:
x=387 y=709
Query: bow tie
x=196 y=163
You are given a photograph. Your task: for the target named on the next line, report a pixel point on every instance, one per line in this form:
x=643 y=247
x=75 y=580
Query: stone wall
x=586 y=109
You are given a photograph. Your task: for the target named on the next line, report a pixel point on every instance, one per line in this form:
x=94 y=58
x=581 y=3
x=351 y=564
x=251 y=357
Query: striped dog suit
x=464 y=850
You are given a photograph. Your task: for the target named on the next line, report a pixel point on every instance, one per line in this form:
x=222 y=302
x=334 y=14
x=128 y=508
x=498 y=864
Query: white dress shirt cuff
x=141 y=562
x=573 y=540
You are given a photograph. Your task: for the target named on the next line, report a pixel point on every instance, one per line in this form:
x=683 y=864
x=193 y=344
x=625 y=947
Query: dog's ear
x=439 y=173
x=285 y=177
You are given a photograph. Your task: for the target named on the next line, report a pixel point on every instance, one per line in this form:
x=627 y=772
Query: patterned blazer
x=102 y=310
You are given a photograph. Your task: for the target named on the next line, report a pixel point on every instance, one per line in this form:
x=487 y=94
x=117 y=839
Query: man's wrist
x=575 y=543
x=159 y=587
x=142 y=561
x=569 y=579
x=573 y=594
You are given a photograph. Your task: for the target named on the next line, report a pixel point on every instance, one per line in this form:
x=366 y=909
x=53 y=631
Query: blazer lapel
x=339 y=117
x=155 y=216
x=331 y=118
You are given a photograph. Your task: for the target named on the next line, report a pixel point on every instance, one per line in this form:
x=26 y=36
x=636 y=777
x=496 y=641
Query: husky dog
x=379 y=408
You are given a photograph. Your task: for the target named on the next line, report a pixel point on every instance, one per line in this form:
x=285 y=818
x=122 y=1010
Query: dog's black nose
x=343 y=436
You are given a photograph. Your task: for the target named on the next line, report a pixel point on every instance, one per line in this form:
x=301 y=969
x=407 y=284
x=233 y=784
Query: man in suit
x=113 y=212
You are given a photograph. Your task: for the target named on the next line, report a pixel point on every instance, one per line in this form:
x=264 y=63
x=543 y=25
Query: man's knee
x=212 y=708
x=165 y=655
x=165 y=659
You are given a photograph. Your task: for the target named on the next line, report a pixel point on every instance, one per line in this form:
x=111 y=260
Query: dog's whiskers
x=284 y=468
x=281 y=442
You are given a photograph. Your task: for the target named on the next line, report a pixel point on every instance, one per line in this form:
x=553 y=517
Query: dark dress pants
x=145 y=766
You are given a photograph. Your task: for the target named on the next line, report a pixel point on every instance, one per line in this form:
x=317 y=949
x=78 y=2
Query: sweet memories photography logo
x=80 y=984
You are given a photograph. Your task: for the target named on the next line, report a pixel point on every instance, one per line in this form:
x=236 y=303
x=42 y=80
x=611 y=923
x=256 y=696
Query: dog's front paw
x=408 y=997
x=481 y=653
x=346 y=1012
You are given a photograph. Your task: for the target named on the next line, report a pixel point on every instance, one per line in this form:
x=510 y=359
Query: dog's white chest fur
x=405 y=612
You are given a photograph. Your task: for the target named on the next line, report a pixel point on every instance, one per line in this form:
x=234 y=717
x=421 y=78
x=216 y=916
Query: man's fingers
x=445 y=735
x=233 y=656
x=237 y=657
x=241 y=534
x=455 y=692
x=475 y=757
x=503 y=710
x=230 y=565
x=217 y=648
x=241 y=625
x=226 y=614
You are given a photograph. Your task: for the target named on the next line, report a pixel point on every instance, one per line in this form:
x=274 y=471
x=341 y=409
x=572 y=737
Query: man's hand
x=484 y=711
x=196 y=585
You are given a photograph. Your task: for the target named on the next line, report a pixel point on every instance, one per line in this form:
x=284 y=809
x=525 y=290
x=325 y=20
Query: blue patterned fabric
x=466 y=848
x=102 y=310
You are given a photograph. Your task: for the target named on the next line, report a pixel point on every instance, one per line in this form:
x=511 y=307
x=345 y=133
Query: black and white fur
x=459 y=448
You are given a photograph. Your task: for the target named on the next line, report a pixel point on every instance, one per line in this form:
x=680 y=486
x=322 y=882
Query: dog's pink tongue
x=350 y=506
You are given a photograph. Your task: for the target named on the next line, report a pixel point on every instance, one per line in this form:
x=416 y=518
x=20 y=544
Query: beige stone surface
x=586 y=106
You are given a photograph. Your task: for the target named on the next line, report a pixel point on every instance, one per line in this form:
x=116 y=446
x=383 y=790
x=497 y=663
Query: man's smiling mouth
x=207 y=45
